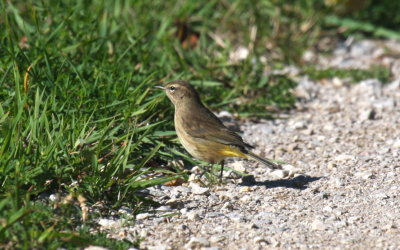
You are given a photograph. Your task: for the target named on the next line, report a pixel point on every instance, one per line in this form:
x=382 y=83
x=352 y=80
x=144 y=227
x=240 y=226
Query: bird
x=202 y=133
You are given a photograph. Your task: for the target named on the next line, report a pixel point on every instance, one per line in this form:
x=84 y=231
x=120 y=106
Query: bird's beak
x=160 y=87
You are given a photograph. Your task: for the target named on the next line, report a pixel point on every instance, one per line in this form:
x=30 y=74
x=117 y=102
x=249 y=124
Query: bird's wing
x=206 y=125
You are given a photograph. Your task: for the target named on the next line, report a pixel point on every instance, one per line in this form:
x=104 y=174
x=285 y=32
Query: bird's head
x=180 y=92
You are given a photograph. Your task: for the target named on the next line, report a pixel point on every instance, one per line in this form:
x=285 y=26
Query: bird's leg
x=222 y=170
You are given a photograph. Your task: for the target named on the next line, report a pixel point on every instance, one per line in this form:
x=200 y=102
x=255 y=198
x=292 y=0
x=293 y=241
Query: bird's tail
x=262 y=160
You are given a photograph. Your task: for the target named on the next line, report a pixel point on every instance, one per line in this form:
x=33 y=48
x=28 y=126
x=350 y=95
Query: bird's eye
x=172 y=88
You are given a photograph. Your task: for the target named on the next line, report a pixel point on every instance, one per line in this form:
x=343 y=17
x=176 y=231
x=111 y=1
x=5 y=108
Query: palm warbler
x=201 y=133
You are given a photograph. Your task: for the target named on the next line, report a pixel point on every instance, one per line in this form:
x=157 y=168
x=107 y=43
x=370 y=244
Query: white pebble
x=197 y=242
x=280 y=173
x=197 y=189
x=318 y=225
x=143 y=216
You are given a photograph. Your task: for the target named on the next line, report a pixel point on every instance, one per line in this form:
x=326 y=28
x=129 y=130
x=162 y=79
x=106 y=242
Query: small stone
x=352 y=220
x=236 y=217
x=318 y=225
x=155 y=192
x=230 y=174
x=327 y=209
x=365 y=175
x=164 y=208
x=182 y=189
x=292 y=147
x=193 y=216
x=219 y=229
x=196 y=242
x=291 y=170
x=125 y=210
x=381 y=196
x=280 y=174
x=142 y=216
x=299 y=125
x=107 y=223
x=173 y=202
x=344 y=157
x=238 y=166
x=245 y=189
x=367 y=114
x=227 y=206
x=196 y=170
x=225 y=113
x=213 y=215
x=182 y=227
x=252 y=226
x=289 y=167
x=308 y=131
x=259 y=239
x=333 y=139
x=197 y=189
x=331 y=165
x=245 y=199
x=216 y=238
x=339 y=182
x=143 y=233
x=337 y=82
x=192 y=178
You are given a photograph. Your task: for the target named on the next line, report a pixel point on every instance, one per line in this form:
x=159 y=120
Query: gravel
x=340 y=188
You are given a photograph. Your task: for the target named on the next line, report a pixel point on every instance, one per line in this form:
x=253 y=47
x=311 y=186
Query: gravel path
x=344 y=191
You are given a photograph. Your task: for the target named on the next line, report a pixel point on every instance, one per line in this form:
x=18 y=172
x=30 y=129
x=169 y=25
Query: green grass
x=79 y=115
x=354 y=75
